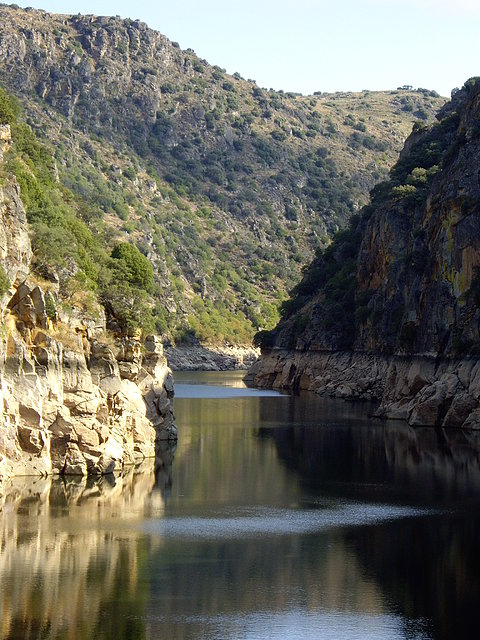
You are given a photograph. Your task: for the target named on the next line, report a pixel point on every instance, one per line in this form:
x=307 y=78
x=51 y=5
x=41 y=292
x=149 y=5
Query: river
x=276 y=517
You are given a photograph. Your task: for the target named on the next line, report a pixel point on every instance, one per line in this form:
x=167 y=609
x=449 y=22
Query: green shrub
x=50 y=306
x=128 y=307
x=130 y=173
x=404 y=191
x=264 y=339
x=8 y=108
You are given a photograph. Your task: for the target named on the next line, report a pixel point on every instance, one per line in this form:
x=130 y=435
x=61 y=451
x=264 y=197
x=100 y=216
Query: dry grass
x=68 y=337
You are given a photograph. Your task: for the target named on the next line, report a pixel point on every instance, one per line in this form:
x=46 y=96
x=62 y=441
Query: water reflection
x=334 y=451
x=429 y=569
x=215 y=384
x=231 y=379
x=277 y=517
x=72 y=561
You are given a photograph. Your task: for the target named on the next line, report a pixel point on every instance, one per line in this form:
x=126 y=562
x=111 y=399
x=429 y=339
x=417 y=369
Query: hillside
x=226 y=188
x=393 y=302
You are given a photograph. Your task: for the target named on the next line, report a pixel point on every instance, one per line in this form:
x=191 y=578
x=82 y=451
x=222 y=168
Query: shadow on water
x=334 y=450
x=429 y=567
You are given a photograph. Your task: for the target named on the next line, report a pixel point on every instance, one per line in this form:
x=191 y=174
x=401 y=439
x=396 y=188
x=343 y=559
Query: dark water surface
x=276 y=517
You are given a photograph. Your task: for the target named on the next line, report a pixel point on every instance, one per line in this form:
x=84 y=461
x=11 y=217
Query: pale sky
x=316 y=45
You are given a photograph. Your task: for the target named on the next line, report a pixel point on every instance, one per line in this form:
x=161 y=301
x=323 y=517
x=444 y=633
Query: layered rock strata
x=422 y=390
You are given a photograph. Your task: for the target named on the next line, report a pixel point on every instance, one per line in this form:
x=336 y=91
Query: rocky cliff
x=199 y=358
x=390 y=311
x=72 y=400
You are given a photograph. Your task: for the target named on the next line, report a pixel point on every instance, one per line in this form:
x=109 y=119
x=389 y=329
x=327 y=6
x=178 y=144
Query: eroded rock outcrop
x=390 y=312
x=71 y=402
x=80 y=406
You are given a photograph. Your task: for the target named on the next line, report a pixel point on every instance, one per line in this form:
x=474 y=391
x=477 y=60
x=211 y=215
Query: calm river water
x=276 y=517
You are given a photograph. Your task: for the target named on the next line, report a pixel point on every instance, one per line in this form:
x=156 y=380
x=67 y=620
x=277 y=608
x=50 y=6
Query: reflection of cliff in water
x=72 y=563
x=428 y=567
x=430 y=570
x=232 y=582
x=75 y=563
x=336 y=447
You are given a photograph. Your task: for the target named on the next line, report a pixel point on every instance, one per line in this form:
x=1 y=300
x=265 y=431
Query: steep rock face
x=407 y=317
x=72 y=408
x=418 y=258
x=69 y=402
x=77 y=406
x=15 y=249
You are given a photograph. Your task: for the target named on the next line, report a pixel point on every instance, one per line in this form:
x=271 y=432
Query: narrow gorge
x=239 y=325
x=225 y=186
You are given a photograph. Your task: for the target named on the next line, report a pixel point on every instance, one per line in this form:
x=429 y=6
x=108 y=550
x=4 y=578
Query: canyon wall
x=390 y=311
x=73 y=400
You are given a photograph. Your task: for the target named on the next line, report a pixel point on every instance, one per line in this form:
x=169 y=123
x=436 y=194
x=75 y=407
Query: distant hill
x=226 y=187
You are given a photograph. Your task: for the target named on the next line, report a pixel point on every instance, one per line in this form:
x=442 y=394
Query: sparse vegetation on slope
x=66 y=244
x=227 y=188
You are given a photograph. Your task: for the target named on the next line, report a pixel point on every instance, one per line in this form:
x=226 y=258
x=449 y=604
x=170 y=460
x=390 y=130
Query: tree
x=8 y=109
x=132 y=266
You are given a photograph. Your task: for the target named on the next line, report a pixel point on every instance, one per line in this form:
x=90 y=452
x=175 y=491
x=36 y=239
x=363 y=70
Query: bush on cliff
x=131 y=265
x=8 y=108
x=4 y=281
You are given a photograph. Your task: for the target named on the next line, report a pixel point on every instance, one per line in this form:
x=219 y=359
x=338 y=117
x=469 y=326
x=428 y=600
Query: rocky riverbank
x=198 y=358
x=73 y=398
x=422 y=390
